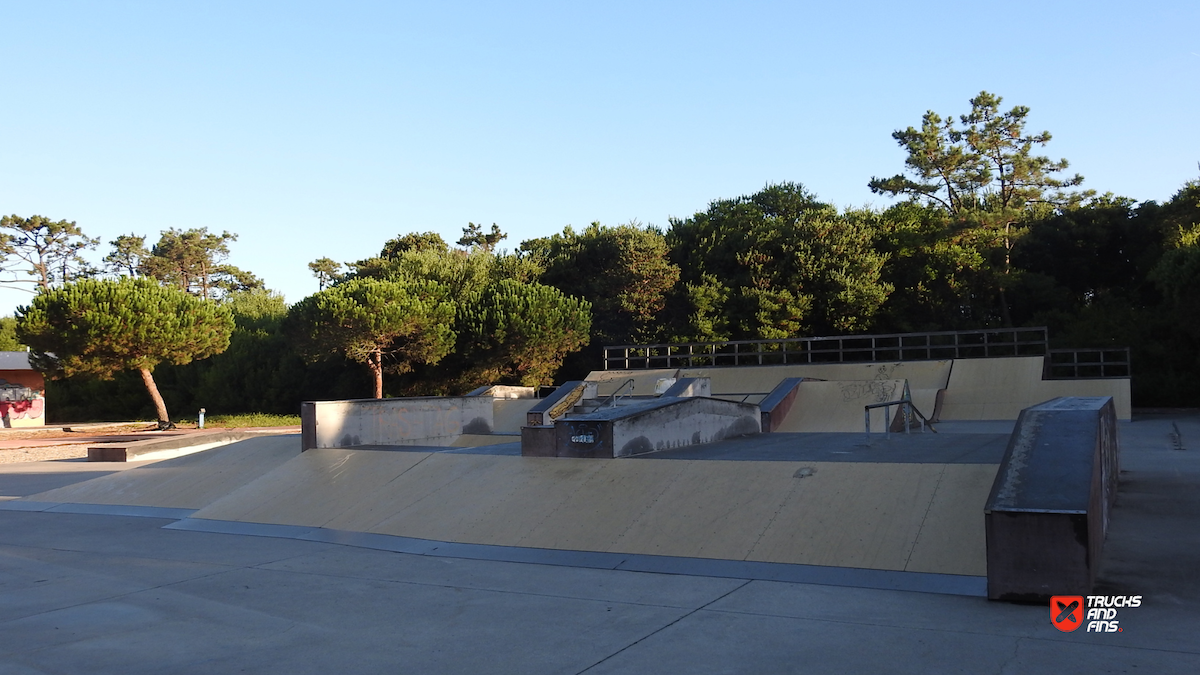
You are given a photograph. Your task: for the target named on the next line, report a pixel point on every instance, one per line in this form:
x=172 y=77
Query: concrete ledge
x=143 y=449
x=538 y=441
x=652 y=425
x=774 y=408
x=392 y=421
x=1047 y=514
x=685 y=387
x=559 y=402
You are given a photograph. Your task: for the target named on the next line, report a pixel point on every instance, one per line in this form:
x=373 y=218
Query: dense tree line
x=985 y=233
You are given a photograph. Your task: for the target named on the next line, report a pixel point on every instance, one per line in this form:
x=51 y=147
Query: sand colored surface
x=999 y=389
x=914 y=517
x=838 y=406
x=954 y=522
x=762 y=379
x=644 y=381
x=188 y=482
x=508 y=414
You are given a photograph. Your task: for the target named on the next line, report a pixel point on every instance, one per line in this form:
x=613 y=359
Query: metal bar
x=846 y=348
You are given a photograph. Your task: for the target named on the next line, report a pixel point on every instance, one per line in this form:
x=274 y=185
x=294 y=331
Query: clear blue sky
x=324 y=129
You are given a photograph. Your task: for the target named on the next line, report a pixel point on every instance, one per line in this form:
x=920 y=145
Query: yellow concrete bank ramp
x=885 y=516
x=189 y=482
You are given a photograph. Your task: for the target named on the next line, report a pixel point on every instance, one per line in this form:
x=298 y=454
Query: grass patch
x=250 y=420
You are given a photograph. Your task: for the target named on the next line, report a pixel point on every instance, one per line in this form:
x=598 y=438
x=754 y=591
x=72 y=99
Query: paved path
x=105 y=594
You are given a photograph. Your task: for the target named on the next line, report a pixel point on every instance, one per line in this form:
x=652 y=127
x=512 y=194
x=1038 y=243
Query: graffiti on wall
x=19 y=402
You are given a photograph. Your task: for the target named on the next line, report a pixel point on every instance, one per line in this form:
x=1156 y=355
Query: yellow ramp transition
x=508 y=414
x=1000 y=388
x=931 y=375
x=188 y=482
x=905 y=517
x=839 y=406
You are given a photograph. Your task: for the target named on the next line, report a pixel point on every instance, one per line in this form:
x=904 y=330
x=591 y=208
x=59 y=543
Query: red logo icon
x=1066 y=612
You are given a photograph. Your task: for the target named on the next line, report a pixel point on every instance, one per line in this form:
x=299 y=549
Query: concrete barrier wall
x=432 y=420
x=1048 y=511
x=642 y=427
x=693 y=421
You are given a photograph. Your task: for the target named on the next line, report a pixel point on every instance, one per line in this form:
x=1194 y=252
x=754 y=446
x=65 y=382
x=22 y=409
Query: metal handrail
x=613 y=398
x=843 y=348
x=887 y=425
x=1087 y=363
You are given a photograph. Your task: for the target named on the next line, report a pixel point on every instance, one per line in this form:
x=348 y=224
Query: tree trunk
x=1004 y=313
x=164 y=422
x=376 y=361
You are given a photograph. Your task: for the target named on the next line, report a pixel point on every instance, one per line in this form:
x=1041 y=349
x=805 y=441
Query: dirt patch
x=43 y=453
x=76 y=431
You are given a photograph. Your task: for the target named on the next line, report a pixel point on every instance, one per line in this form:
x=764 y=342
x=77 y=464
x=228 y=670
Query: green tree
x=777 y=264
x=128 y=255
x=982 y=172
x=98 y=327
x=260 y=372
x=387 y=325
x=512 y=332
x=625 y=272
x=326 y=270
x=937 y=270
x=414 y=241
x=48 y=251
x=8 y=335
x=1103 y=249
x=1177 y=273
x=986 y=163
x=419 y=256
x=474 y=237
x=191 y=260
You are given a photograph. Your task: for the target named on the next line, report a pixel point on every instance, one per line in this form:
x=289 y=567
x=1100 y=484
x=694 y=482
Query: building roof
x=15 y=361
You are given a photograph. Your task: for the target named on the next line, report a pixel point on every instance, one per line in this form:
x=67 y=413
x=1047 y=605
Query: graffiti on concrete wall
x=876 y=391
x=18 y=402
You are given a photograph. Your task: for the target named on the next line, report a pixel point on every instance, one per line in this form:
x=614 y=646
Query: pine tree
x=387 y=325
x=98 y=327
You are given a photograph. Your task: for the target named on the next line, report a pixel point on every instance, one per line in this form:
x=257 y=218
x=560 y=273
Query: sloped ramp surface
x=189 y=482
x=904 y=517
x=838 y=406
x=999 y=389
x=932 y=375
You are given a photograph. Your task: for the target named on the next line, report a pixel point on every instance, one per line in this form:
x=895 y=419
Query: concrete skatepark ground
x=102 y=592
